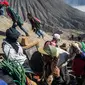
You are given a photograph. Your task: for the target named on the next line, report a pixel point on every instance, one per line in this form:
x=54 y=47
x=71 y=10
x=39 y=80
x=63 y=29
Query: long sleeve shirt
x=11 y=53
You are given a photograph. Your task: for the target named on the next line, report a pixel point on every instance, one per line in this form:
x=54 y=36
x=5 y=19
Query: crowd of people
x=55 y=73
x=50 y=63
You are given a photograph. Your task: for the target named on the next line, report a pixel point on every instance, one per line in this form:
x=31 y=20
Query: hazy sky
x=79 y=4
x=75 y=2
x=82 y=8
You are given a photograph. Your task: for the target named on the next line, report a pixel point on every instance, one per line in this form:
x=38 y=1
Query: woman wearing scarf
x=11 y=46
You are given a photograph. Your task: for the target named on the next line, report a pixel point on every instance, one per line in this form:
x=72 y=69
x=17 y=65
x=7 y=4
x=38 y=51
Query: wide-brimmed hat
x=76 y=45
x=49 y=50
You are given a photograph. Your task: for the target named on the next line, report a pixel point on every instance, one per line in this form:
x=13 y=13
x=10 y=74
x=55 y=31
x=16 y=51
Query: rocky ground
x=6 y=23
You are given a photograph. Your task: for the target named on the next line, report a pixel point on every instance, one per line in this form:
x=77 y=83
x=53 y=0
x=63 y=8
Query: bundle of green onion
x=15 y=70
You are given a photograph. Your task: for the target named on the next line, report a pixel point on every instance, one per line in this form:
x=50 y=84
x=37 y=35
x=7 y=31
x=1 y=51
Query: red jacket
x=78 y=66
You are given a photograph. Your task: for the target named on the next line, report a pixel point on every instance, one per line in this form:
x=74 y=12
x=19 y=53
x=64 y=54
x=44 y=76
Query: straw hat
x=49 y=50
x=76 y=45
